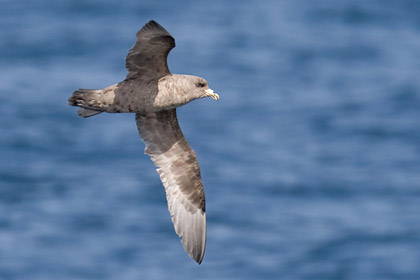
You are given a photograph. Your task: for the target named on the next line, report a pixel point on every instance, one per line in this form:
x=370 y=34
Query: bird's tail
x=87 y=100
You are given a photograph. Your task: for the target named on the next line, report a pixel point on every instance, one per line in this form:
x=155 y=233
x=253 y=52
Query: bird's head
x=177 y=90
x=197 y=87
x=202 y=88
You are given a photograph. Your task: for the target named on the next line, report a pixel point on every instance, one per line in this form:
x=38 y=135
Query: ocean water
x=310 y=159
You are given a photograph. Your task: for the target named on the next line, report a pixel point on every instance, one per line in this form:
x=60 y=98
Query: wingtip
x=198 y=259
x=152 y=26
x=197 y=252
x=196 y=256
x=153 y=22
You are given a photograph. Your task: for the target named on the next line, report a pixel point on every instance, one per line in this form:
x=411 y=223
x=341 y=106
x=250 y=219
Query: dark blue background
x=310 y=159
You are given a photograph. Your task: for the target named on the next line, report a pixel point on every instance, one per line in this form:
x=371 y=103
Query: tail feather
x=86 y=99
x=85 y=113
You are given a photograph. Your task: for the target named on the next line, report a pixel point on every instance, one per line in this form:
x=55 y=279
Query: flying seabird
x=153 y=93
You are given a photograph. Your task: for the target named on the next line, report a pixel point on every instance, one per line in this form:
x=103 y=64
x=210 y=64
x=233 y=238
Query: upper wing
x=148 y=56
x=180 y=174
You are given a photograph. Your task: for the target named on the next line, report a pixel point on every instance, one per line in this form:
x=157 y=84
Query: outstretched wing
x=180 y=174
x=149 y=55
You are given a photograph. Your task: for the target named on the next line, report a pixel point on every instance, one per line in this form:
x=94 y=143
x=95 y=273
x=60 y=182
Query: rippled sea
x=310 y=159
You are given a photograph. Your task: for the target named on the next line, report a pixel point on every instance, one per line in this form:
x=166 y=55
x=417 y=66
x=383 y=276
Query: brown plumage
x=153 y=93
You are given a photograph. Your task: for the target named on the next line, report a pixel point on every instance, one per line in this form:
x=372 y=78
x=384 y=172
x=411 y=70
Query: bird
x=153 y=93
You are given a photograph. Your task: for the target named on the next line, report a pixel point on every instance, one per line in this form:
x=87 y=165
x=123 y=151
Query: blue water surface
x=310 y=159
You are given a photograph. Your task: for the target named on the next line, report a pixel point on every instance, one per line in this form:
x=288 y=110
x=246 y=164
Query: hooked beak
x=210 y=93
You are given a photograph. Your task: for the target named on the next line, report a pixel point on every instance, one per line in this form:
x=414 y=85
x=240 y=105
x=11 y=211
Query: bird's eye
x=200 y=84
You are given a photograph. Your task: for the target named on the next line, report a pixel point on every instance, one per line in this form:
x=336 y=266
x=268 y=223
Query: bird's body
x=153 y=93
x=142 y=96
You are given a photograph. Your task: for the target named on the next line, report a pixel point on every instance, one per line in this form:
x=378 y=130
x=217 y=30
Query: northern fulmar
x=153 y=93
